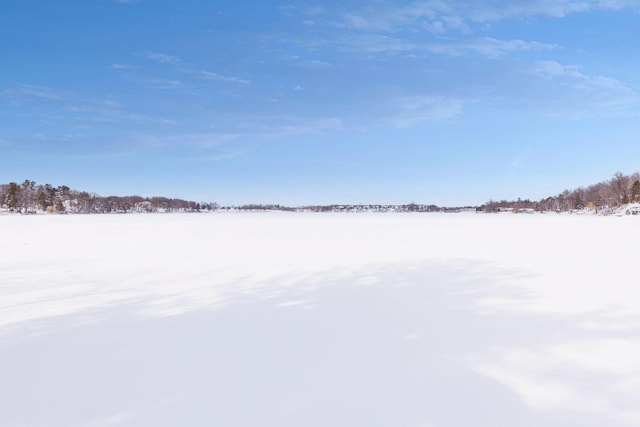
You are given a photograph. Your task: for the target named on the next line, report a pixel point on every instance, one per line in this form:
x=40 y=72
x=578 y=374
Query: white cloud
x=442 y=45
x=76 y=109
x=315 y=63
x=201 y=140
x=99 y=105
x=27 y=91
x=123 y=67
x=251 y=129
x=224 y=155
x=413 y=110
x=226 y=79
x=550 y=69
x=579 y=80
x=434 y=15
x=293 y=126
x=276 y=127
x=440 y=17
x=483 y=12
x=376 y=43
x=160 y=57
x=486 y=46
x=587 y=95
x=185 y=68
x=160 y=83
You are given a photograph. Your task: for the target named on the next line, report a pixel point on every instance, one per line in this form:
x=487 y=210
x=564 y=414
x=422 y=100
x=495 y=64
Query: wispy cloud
x=78 y=110
x=484 y=11
x=60 y=100
x=160 y=83
x=413 y=110
x=315 y=63
x=376 y=43
x=550 y=69
x=226 y=79
x=440 y=17
x=185 y=68
x=388 y=27
x=124 y=67
x=486 y=46
x=94 y=105
x=99 y=155
x=304 y=62
x=223 y=155
x=183 y=140
x=251 y=130
x=294 y=126
x=24 y=92
x=160 y=57
x=433 y=16
x=589 y=95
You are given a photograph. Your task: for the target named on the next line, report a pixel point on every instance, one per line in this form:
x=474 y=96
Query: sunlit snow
x=276 y=319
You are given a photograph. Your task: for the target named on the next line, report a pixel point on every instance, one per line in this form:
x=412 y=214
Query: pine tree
x=12 y=196
x=41 y=198
x=635 y=191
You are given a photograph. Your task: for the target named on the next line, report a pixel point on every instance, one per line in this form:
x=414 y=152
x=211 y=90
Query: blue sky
x=303 y=102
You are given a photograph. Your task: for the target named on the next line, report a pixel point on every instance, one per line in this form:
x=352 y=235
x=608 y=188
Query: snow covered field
x=277 y=319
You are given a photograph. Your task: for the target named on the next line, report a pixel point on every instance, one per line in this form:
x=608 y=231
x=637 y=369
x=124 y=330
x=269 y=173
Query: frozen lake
x=274 y=319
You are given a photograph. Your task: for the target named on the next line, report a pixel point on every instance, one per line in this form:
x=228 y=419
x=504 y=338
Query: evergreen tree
x=12 y=196
x=577 y=202
x=41 y=198
x=635 y=191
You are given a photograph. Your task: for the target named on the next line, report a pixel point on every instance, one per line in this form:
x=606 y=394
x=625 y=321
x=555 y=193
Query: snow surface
x=276 y=319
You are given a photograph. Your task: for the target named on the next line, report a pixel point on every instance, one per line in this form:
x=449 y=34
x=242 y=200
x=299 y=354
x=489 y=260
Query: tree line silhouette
x=30 y=197
x=603 y=197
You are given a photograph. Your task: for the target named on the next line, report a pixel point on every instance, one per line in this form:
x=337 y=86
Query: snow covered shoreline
x=316 y=319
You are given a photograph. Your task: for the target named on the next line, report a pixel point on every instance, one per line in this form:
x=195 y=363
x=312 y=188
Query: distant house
x=143 y=207
x=628 y=209
x=70 y=205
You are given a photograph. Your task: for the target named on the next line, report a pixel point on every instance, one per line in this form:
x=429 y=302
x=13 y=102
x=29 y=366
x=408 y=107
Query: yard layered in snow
x=274 y=319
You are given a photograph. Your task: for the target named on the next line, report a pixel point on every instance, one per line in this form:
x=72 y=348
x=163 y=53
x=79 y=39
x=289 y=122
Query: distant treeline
x=602 y=197
x=30 y=197
x=410 y=207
